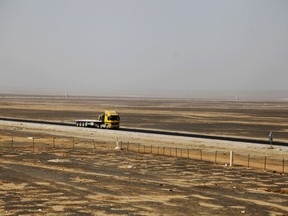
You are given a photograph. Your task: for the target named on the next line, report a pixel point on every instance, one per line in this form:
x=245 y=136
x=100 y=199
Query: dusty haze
x=173 y=48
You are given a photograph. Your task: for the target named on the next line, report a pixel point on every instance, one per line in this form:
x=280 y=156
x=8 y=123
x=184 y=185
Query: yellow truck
x=108 y=119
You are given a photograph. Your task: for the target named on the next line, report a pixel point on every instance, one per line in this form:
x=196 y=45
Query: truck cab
x=110 y=119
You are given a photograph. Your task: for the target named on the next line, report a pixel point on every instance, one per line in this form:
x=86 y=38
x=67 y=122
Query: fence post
x=121 y=144
x=181 y=153
x=283 y=166
x=188 y=153
x=170 y=152
x=265 y=158
x=12 y=142
x=128 y=146
x=138 y=147
x=200 y=154
x=231 y=158
x=157 y=150
x=248 y=160
x=95 y=145
x=176 y=152
x=151 y=149
x=33 y=144
x=163 y=150
x=73 y=142
x=216 y=157
x=53 y=142
x=144 y=149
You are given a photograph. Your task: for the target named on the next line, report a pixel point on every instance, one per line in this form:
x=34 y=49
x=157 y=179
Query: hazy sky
x=85 y=47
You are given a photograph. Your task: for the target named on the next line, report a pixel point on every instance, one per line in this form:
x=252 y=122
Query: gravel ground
x=148 y=139
x=102 y=181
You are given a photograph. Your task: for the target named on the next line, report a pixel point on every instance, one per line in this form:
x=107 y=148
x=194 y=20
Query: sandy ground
x=103 y=181
x=149 y=139
x=91 y=178
x=254 y=119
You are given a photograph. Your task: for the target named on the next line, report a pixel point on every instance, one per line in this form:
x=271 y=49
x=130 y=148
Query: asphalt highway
x=160 y=132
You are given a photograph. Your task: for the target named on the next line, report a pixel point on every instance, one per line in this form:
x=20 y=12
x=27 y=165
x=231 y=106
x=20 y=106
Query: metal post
x=95 y=145
x=170 y=152
x=265 y=160
x=176 y=152
x=283 y=164
x=200 y=154
x=138 y=147
x=231 y=158
x=216 y=157
x=181 y=153
x=73 y=142
x=144 y=149
x=128 y=146
x=157 y=150
x=121 y=144
x=53 y=142
x=248 y=160
x=163 y=150
x=188 y=153
x=12 y=142
x=33 y=143
x=151 y=149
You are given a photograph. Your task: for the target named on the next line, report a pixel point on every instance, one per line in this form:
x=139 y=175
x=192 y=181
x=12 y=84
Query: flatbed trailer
x=88 y=123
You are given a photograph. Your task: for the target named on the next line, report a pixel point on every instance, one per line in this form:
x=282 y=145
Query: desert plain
x=77 y=171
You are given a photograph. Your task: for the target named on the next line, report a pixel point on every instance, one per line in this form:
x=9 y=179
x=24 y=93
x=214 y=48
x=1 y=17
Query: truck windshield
x=114 y=118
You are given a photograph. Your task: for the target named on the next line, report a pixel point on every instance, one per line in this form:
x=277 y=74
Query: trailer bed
x=88 y=123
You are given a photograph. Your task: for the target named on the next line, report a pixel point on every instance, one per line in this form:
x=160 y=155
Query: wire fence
x=226 y=158
x=39 y=144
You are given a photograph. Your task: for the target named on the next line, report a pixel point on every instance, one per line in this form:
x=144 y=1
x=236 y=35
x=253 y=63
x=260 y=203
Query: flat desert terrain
x=230 y=118
x=61 y=170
